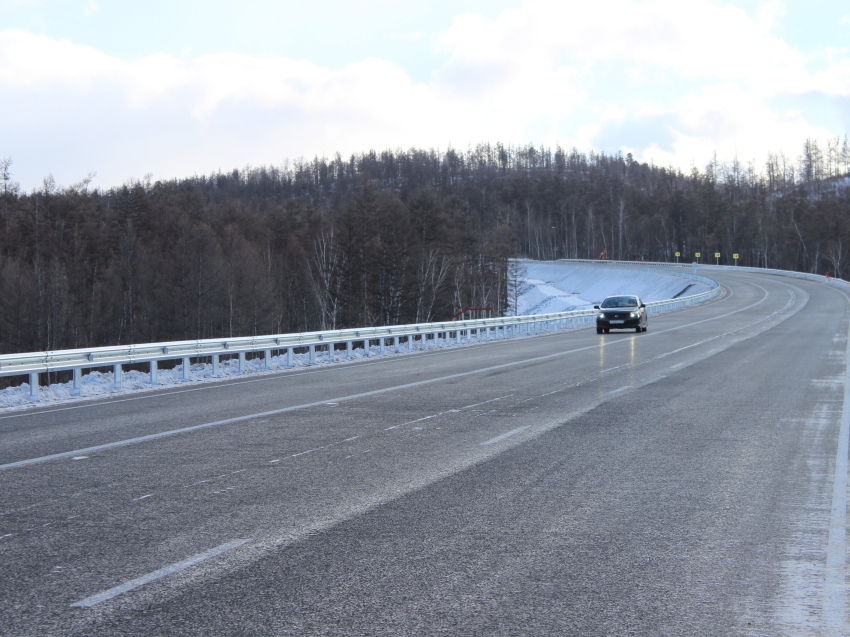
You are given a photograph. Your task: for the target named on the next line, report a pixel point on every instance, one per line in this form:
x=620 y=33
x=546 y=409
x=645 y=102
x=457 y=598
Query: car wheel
x=645 y=327
x=607 y=329
x=599 y=330
x=638 y=329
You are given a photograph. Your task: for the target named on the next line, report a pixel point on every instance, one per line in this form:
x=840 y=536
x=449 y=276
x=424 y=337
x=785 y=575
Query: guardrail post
x=395 y=343
x=33 y=386
x=154 y=369
x=289 y=357
x=117 y=376
x=215 y=364
x=241 y=362
x=267 y=358
x=348 y=349
x=410 y=340
x=187 y=368
x=77 y=382
x=457 y=336
x=312 y=357
x=383 y=343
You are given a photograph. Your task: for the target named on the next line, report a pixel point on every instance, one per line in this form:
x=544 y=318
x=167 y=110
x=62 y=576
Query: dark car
x=621 y=313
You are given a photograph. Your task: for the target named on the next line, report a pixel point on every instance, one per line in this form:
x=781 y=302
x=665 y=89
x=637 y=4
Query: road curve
x=690 y=480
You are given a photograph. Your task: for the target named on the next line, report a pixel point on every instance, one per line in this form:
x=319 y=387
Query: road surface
x=690 y=480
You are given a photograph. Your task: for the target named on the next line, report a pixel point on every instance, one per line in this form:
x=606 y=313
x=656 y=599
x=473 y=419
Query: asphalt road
x=676 y=482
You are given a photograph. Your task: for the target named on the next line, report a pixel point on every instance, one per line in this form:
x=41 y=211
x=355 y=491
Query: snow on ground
x=96 y=385
x=553 y=286
x=549 y=287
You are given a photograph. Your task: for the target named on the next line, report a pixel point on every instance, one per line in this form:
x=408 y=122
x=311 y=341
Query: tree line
x=383 y=238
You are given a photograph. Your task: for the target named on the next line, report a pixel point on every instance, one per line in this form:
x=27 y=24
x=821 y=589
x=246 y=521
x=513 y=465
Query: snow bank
x=552 y=286
x=96 y=385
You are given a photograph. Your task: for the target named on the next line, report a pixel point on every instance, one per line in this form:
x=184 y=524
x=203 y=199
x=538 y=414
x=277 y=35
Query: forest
x=383 y=238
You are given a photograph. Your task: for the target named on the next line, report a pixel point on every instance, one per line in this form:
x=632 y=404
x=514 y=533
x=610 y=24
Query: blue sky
x=177 y=88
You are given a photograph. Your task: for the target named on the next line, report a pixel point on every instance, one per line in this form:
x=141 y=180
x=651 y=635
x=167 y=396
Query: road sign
x=698 y=254
x=678 y=254
x=735 y=256
x=716 y=255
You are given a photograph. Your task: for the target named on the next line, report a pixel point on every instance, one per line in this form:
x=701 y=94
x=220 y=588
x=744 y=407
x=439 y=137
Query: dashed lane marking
x=88 y=602
x=493 y=441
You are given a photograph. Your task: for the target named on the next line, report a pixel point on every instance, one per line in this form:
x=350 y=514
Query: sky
x=172 y=89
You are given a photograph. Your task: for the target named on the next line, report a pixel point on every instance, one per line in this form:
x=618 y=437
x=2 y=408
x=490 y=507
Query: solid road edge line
x=835 y=588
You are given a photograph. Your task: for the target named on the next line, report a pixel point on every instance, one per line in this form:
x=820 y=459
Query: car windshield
x=619 y=301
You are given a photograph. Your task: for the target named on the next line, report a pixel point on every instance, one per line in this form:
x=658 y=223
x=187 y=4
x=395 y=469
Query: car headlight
x=634 y=315
x=600 y=315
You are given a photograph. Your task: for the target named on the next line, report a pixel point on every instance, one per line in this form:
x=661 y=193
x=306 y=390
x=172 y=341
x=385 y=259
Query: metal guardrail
x=32 y=364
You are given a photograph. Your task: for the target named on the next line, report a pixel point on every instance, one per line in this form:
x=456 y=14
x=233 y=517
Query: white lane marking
x=449 y=411
x=88 y=602
x=617 y=391
x=678 y=365
x=149 y=495
x=835 y=589
x=79 y=458
x=493 y=441
x=384 y=390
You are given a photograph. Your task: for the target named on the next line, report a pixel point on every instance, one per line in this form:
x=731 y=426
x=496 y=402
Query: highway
x=690 y=480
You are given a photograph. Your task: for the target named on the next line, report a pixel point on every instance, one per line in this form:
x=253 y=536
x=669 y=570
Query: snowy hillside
x=553 y=286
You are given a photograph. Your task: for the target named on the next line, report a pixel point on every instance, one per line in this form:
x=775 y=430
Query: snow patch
x=551 y=286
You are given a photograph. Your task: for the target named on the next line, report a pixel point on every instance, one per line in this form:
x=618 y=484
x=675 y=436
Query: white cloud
x=663 y=79
x=695 y=39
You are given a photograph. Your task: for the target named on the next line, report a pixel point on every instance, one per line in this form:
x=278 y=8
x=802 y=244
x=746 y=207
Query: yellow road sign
x=678 y=254
x=716 y=255
x=698 y=254
x=735 y=256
